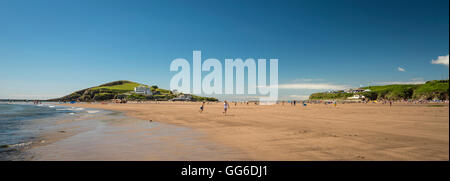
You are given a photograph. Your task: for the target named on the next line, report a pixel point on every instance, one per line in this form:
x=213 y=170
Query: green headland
x=431 y=90
x=124 y=89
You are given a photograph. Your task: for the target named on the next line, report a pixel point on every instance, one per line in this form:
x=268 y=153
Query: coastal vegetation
x=123 y=89
x=330 y=96
x=431 y=90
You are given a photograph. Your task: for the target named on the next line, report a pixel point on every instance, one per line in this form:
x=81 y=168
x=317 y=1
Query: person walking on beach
x=225 y=107
x=390 y=103
x=202 y=107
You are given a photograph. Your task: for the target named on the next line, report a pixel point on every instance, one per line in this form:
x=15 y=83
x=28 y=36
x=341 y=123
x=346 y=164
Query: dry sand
x=315 y=132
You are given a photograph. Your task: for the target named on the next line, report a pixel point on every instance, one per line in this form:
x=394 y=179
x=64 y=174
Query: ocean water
x=22 y=123
x=53 y=132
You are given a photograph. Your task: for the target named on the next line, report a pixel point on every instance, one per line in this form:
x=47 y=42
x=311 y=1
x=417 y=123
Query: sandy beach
x=102 y=135
x=315 y=132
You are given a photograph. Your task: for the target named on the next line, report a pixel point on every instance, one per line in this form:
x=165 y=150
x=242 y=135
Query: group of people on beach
x=225 y=107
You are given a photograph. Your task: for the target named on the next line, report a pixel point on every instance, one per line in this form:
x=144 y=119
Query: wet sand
x=112 y=136
x=315 y=132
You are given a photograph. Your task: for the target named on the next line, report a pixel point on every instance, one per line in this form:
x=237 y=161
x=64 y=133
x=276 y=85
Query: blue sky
x=52 y=48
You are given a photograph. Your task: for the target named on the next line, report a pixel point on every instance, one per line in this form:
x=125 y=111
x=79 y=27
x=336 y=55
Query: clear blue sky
x=50 y=48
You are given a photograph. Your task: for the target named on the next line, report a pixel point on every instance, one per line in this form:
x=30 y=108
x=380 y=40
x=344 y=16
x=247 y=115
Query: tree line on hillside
x=431 y=90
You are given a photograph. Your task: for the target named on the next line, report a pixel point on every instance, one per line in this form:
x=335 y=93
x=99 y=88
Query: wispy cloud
x=299 y=96
x=37 y=96
x=312 y=86
x=401 y=69
x=418 y=79
x=412 y=81
x=307 y=80
x=441 y=60
x=402 y=82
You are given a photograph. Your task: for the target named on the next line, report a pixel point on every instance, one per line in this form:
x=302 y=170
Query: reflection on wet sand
x=112 y=136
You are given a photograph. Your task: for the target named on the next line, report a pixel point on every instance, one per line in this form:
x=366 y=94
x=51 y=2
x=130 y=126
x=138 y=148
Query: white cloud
x=401 y=82
x=307 y=80
x=300 y=96
x=401 y=69
x=417 y=79
x=234 y=97
x=312 y=86
x=37 y=96
x=441 y=60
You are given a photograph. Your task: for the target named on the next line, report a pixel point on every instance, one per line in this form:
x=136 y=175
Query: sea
x=22 y=123
x=50 y=131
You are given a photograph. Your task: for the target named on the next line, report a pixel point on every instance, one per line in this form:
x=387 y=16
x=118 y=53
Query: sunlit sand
x=314 y=132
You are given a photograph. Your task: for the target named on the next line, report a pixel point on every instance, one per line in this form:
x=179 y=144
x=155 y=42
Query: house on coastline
x=358 y=90
x=356 y=97
x=174 y=91
x=143 y=90
x=183 y=97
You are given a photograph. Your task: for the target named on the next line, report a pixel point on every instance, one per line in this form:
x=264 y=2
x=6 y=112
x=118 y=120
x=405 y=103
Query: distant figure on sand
x=225 y=107
x=202 y=107
x=390 y=103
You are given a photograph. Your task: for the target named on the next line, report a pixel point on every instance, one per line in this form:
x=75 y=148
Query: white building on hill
x=356 y=97
x=143 y=90
x=183 y=97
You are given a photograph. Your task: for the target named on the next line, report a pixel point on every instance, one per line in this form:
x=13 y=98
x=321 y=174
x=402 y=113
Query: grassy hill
x=122 y=89
x=432 y=89
x=435 y=89
x=329 y=96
